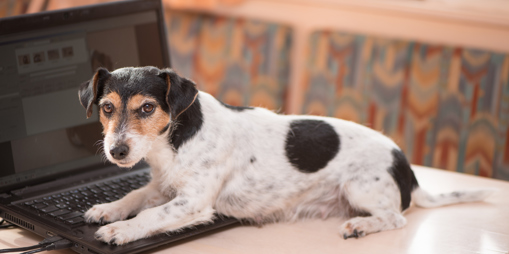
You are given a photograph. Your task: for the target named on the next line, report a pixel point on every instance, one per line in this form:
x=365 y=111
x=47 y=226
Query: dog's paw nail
x=355 y=233
x=345 y=236
x=112 y=241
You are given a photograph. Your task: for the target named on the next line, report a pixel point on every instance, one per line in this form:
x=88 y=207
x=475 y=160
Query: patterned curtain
x=13 y=7
x=447 y=107
x=239 y=61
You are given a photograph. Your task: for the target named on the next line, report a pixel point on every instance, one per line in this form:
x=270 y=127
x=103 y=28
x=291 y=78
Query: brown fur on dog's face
x=134 y=122
x=137 y=106
x=133 y=115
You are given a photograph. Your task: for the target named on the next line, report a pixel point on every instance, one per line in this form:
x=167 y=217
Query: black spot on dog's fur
x=404 y=177
x=311 y=144
x=206 y=163
x=181 y=202
x=235 y=108
x=253 y=159
x=456 y=194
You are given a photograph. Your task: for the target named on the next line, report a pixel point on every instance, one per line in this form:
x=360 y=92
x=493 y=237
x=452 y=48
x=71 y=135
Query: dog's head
x=136 y=106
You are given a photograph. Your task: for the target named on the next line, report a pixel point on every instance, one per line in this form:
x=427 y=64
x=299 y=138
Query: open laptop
x=51 y=169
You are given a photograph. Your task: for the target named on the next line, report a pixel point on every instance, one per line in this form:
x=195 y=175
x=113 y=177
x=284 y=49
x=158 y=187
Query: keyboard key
x=75 y=220
x=77 y=195
x=109 y=193
x=49 y=209
x=29 y=203
x=59 y=212
x=62 y=205
x=70 y=215
x=86 y=193
x=39 y=205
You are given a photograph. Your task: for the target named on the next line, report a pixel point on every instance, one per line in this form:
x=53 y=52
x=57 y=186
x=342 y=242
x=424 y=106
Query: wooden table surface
x=464 y=228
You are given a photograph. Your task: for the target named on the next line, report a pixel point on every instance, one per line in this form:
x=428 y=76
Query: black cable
x=61 y=244
x=7 y=224
x=21 y=248
x=38 y=250
x=42 y=244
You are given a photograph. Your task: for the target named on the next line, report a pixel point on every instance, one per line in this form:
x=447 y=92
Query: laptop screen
x=44 y=130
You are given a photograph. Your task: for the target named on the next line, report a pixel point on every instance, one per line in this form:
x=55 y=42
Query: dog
x=207 y=157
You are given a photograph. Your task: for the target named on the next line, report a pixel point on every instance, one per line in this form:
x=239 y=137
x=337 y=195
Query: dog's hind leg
x=376 y=201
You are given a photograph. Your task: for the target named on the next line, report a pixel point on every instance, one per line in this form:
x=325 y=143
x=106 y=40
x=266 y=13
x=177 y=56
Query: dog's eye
x=107 y=108
x=147 y=108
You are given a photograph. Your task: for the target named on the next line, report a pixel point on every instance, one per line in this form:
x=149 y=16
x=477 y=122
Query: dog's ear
x=181 y=92
x=89 y=90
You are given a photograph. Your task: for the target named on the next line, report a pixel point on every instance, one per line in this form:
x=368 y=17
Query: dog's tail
x=425 y=199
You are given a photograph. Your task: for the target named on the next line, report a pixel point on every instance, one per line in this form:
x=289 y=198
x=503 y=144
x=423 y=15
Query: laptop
x=51 y=166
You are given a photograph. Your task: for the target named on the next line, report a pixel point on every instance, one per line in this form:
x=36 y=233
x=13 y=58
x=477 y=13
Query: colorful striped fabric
x=241 y=62
x=447 y=107
x=13 y=7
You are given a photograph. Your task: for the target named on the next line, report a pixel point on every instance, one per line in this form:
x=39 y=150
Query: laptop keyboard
x=70 y=205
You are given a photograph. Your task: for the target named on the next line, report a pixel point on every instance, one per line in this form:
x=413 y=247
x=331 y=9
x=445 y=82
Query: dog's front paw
x=117 y=233
x=104 y=213
x=353 y=228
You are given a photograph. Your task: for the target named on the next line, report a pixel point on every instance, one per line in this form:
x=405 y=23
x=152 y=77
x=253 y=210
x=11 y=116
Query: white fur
x=213 y=172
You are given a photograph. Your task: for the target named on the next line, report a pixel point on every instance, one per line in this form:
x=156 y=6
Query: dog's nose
x=119 y=152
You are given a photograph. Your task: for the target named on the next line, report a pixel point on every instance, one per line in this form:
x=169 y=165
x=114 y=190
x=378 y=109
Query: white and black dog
x=249 y=163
